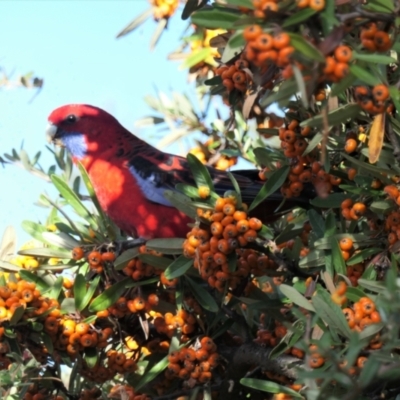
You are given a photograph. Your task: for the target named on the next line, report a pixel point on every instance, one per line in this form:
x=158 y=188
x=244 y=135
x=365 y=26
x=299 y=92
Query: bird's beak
x=51 y=132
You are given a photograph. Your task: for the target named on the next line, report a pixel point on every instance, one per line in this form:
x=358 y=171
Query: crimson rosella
x=130 y=176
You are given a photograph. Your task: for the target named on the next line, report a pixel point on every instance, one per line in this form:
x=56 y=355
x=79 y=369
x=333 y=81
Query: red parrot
x=130 y=176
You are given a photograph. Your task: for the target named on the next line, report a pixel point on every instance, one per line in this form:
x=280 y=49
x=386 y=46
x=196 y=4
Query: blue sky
x=72 y=46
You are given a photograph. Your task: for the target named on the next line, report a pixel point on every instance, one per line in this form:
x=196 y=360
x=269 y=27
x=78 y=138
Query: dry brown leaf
x=376 y=135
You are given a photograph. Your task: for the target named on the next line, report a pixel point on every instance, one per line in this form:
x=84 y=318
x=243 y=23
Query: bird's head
x=79 y=127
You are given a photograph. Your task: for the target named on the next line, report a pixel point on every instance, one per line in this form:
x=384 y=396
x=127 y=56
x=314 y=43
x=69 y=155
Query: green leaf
x=72 y=199
x=363 y=75
x=56 y=288
x=196 y=57
x=17 y=315
x=376 y=287
x=46 y=252
x=337 y=258
x=155 y=261
x=297 y=298
x=234 y=46
x=200 y=173
x=122 y=260
x=216 y=80
x=335 y=117
x=188 y=190
x=299 y=16
x=67 y=306
x=139 y=20
x=84 y=294
x=317 y=223
x=91 y=356
x=374 y=58
x=166 y=246
x=190 y=7
x=215 y=18
x=9 y=267
x=181 y=202
x=179 y=267
x=34 y=229
x=236 y=189
x=109 y=296
x=363 y=255
x=285 y=91
x=202 y=296
x=334 y=200
x=152 y=373
x=315 y=258
x=304 y=47
x=268 y=386
x=61 y=239
x=274 y=182
x=345 y=83
x=330 y=312
x=241 y=3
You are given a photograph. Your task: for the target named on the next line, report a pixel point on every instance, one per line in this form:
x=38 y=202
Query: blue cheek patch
x=75 y=143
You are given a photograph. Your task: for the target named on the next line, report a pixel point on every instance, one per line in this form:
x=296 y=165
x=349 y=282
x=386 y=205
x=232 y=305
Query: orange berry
x=77 y=253
x=343 y=54
x=281 y=40
x=252 y=32
x=346 y=244
x=317 y=5
x=350 y=146
x=380 y=92
x=94 y=258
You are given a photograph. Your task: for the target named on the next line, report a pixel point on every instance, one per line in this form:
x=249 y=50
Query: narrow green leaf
x=341 y=86
x=297 y=298
x=202 y=296
x=298 y=17
x=56 y=288
x=274 y=182
x=200 y=173
x=156 y=261
x=181 y=202
x=268 y=386
x=166 y=246
x=363 y=255
x=109 y=296
x=335 y=117
x=152 y=373
x=34 y=229
x=215 y=18
x=46 y=252
x=179 y=267
x=84 y=294
x=304 y=47
x=334 y=200
x=72 y=199
x=317 y=223
x=337 y=258
x=122 y=260
x=139 y=20
x=285 y=91
x=17 y=315
x=91 y=356
x=364 y=75
x=374 y=58
x=330 y=312
x=196 y=57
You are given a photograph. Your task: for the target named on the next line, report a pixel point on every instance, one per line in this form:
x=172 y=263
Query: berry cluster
x=193 y=364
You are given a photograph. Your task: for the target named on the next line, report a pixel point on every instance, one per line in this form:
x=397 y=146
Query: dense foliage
x=304 y=306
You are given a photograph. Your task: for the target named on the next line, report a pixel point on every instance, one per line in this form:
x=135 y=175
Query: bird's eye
x=70 y=119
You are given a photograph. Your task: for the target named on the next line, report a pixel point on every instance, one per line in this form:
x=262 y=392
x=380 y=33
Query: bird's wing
x=156 y=172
